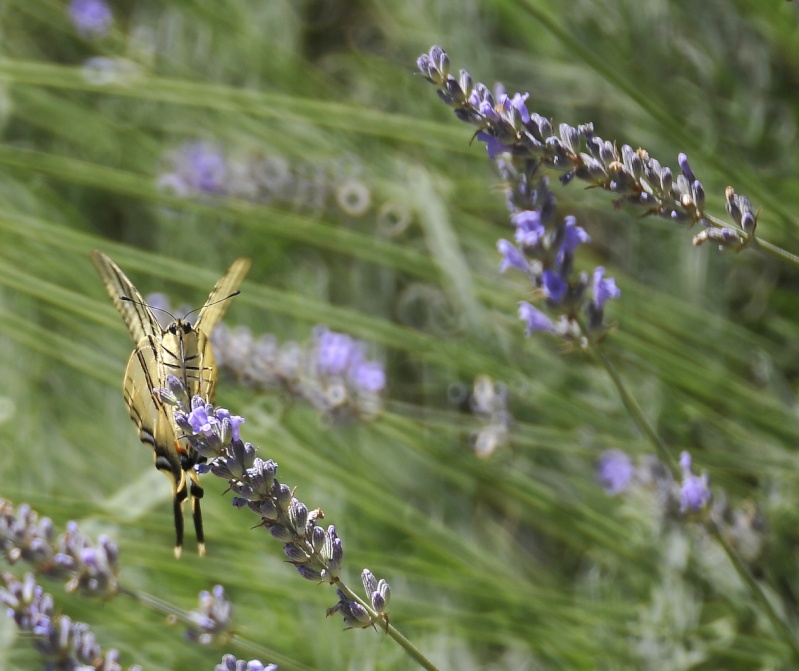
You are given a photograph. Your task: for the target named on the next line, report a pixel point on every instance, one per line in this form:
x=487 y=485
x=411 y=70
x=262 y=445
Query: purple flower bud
x=726 y=237
x=309 y=573
x=698 y=195
x=666 y=181
x=685 y=168
x=201 y=166
x=235 y=421
x=748 y=222
x=369 y=582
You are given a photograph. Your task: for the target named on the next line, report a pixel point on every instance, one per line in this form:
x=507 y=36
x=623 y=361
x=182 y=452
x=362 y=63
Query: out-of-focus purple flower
x=529 y=229
x=604 y=289
x=615 y=471
x=534 y=319
x=332 y=373
x=695 y=491
x=511 y=257
x=335 y=352
x=554 y=286
x=201 y=166
x=368 y=376
x=91 y=18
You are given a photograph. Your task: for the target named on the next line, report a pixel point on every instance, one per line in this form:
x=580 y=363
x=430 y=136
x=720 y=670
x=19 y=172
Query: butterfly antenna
x=233 y=295
x=128 y=299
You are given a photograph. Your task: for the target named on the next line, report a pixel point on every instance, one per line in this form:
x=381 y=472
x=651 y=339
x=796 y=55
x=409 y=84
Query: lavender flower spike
x=57 y=638
x=522 y=142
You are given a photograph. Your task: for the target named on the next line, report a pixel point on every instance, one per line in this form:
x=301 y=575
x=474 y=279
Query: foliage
x=184 y=134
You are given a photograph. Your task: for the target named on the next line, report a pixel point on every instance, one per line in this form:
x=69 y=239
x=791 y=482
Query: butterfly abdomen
x=187 y=354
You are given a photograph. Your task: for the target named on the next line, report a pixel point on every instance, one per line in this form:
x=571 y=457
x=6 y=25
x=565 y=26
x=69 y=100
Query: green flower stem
x=151 y=601
x=635 y=411
x=768 y=608
x=179 y=615
x=660 y=446
x=390 y=630
x=763 y=246
x=774 y=251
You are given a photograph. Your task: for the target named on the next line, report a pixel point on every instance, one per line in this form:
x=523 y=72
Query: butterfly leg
x=177 y=506
x=179 y=496
x=196 y=494
x=179 y=493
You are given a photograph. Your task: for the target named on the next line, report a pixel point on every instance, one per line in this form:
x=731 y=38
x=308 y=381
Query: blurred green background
x=518 y=561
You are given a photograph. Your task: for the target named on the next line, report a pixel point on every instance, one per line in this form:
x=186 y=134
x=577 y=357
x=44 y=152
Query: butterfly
x=180 y=349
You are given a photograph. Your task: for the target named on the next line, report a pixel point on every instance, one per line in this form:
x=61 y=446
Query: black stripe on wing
x=139 y=319
x=147 y=410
